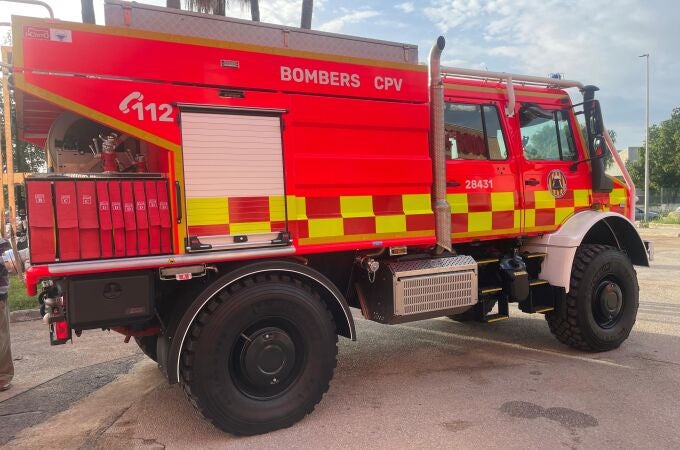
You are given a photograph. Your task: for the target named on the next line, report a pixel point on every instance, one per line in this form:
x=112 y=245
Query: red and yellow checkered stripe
x=543 y=212
x=235 y=215
x=322 y=220
x=478 y=214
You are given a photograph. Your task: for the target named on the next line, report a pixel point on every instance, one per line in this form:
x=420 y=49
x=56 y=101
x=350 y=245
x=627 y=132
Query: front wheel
x=260 y=355
x=600 y=309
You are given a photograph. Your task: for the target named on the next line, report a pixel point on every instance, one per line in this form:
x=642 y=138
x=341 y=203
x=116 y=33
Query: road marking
x=511 y=345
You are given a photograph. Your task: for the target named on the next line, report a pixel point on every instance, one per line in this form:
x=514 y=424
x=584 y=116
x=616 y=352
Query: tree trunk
x=306 y=17
x=87 y=9
x=255 y=10
x=173 y=4
x=220 y=8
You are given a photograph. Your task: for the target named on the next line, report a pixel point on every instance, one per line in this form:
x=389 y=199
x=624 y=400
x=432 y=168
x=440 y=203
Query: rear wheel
x=260 y=355
x=601 y=307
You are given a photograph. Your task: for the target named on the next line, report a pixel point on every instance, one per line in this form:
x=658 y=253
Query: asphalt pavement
x=435 y=383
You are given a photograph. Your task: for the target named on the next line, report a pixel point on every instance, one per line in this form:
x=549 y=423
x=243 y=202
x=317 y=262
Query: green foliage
x=27 y=157
x=542 y=142
x=18 y=298
x=672 y=220
x=664 y=163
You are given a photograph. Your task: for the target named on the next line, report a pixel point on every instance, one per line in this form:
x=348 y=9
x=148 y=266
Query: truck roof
x=168 y=20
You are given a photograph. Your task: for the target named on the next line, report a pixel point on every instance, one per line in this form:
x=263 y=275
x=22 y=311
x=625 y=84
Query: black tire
x=148 y=346
x=268 y=320
x=472 y=314
x=600 y=309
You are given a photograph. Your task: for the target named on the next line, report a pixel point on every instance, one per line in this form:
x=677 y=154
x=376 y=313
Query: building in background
x=626 y=154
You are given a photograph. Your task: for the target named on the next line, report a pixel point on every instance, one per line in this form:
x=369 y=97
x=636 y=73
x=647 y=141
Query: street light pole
x=647 y=146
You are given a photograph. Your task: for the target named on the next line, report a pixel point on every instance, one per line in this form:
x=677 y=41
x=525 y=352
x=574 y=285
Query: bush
x=18 y=298
x=673 y=220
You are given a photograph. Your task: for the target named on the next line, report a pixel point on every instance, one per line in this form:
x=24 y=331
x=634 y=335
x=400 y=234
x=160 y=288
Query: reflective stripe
x=320 y=220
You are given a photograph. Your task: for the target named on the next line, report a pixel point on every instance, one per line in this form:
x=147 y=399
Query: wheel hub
x=267 y=357
x=608 y=303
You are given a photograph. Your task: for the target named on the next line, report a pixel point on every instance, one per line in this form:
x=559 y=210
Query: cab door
x=481 y=175
x=554 y=186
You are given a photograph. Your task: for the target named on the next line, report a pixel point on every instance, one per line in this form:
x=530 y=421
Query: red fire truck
x=224 y=191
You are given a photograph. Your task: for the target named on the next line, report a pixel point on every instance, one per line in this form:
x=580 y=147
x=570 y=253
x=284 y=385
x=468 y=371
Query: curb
x=24 y=315
x=665 y=226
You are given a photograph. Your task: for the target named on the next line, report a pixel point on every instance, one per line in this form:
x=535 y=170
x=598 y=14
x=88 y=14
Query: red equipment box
x=127 y=196
x=105 y=223
x=88 y=223
x=154 y=218
x=164 y=211
x=81 y=219
x=41 y=226
x=142 y=218
x=117 y=221
x=67 y=220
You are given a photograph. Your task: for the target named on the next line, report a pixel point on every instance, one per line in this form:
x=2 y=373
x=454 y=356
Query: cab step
x=487 y=299
x=542 y=297
x=533 y=262
x=527 y=256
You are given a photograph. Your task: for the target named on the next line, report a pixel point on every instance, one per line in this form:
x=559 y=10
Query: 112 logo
x=156 y=113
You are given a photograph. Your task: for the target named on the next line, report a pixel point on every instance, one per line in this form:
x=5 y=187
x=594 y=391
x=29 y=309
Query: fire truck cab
x=224 y=192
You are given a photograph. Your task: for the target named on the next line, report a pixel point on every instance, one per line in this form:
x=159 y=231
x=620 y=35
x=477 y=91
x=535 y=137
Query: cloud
x=336 y=25
x=407 y=7
x=587 y=40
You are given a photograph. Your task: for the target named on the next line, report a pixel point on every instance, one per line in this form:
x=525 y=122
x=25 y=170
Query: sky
x=594 y=41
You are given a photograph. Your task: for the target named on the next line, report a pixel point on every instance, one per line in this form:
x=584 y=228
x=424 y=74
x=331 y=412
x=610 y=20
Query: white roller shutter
x=230 y=155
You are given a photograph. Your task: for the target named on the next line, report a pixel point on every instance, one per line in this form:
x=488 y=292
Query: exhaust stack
x=441 y=208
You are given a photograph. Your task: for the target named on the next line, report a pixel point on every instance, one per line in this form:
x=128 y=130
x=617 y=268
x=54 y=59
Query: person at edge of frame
x=6 y=365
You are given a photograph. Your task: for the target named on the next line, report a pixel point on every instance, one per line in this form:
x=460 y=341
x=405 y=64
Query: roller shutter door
x=233 y=175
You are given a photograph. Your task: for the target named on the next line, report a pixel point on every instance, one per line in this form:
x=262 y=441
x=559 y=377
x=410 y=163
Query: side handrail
x=509 y=78
x=624 y=172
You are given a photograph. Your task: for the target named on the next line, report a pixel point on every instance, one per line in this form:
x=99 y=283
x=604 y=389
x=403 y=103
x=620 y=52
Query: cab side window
x=473 y=132
x=546 y=135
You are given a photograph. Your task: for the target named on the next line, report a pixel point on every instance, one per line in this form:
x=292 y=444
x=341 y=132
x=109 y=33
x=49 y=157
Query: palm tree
x=87 y=9
x=306 y=16
x=219 y=7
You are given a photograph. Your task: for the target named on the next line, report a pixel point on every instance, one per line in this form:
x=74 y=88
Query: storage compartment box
x=41 y=224
x=87 y=217
x=96 y=301
x=67 y=220
x=88 y=222
x=416 y=289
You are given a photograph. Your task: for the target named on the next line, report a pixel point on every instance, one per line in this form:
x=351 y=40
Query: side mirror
x=598 y=146
x=595 y=122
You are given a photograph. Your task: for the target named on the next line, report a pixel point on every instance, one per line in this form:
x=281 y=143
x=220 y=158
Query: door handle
x=531 y=182
x=178 y=201
x=452 y=184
